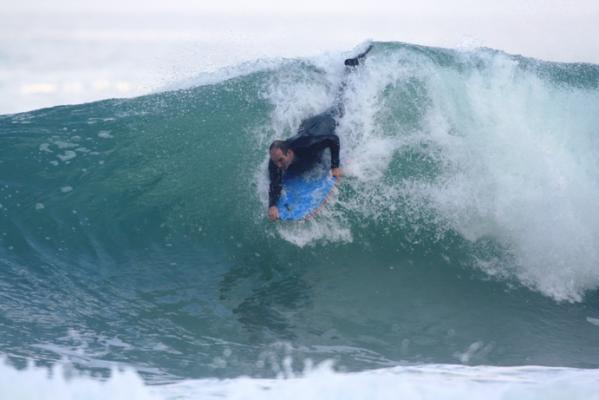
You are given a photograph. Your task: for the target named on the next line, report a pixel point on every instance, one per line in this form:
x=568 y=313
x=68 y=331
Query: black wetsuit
x=314 y=136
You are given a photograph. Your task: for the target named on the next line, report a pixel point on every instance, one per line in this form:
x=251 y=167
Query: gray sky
x=69 y=51
x=558 y=30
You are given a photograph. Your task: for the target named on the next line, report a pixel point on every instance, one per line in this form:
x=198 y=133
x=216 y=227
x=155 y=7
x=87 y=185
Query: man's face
x=281 y=159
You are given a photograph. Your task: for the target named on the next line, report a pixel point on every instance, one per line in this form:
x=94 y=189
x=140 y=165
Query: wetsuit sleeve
x=276 y=184
x=310 y=147
x=333 y=144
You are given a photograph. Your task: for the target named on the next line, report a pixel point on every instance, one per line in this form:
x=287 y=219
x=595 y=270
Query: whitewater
x=457 y=258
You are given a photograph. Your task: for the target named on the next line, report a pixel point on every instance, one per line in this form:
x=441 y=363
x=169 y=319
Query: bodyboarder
x=303 y=151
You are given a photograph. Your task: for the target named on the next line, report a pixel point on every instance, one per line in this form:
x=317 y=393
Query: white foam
x=519 y=168
x=45 y=147
x=40 y=384
x=61 y=144
x=322 y=382
x=105 y=135
x=68 y=155
x=322 y=230
x=594 y=321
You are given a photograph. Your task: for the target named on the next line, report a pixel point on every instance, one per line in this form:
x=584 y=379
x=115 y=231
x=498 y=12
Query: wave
x=467 y=206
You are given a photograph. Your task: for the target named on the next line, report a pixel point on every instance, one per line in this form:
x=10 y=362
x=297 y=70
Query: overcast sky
x=68 y=51
x=562 y=30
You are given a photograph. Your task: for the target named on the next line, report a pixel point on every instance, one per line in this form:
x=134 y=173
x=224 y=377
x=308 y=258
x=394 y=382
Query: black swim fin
x=355 y=61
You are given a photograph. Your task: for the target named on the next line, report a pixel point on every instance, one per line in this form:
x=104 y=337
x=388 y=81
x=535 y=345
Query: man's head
x=280 y=154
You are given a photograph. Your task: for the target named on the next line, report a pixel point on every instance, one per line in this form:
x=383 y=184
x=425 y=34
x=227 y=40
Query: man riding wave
x=303 y=151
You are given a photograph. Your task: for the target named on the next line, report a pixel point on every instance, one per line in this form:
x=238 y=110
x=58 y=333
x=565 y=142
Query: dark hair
x=279 y=144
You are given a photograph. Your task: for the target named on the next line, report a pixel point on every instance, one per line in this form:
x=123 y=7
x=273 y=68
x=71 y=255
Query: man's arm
x=332 y=142
x=276 y=184
x=315 y=144
x=334 y=146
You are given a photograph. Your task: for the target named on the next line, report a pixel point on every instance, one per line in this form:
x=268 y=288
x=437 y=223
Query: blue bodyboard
x=302 y=196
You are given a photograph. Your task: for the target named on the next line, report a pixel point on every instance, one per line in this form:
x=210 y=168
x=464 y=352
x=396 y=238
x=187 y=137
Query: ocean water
x=457 y=259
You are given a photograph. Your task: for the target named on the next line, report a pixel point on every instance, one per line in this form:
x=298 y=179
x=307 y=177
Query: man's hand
x=273 y=213
x=336 y=172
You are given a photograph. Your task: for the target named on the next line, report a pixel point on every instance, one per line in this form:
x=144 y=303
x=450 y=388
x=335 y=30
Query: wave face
x=464 y=231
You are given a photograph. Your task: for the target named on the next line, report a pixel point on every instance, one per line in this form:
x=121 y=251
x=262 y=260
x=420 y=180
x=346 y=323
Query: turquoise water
x=464 y=231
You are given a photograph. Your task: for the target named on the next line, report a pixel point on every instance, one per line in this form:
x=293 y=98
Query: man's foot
x=353 y=62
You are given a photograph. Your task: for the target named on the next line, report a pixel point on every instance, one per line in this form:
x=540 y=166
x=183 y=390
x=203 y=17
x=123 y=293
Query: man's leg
x=350 y=64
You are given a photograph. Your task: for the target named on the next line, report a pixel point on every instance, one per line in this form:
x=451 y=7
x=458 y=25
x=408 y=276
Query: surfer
x=303 y=151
